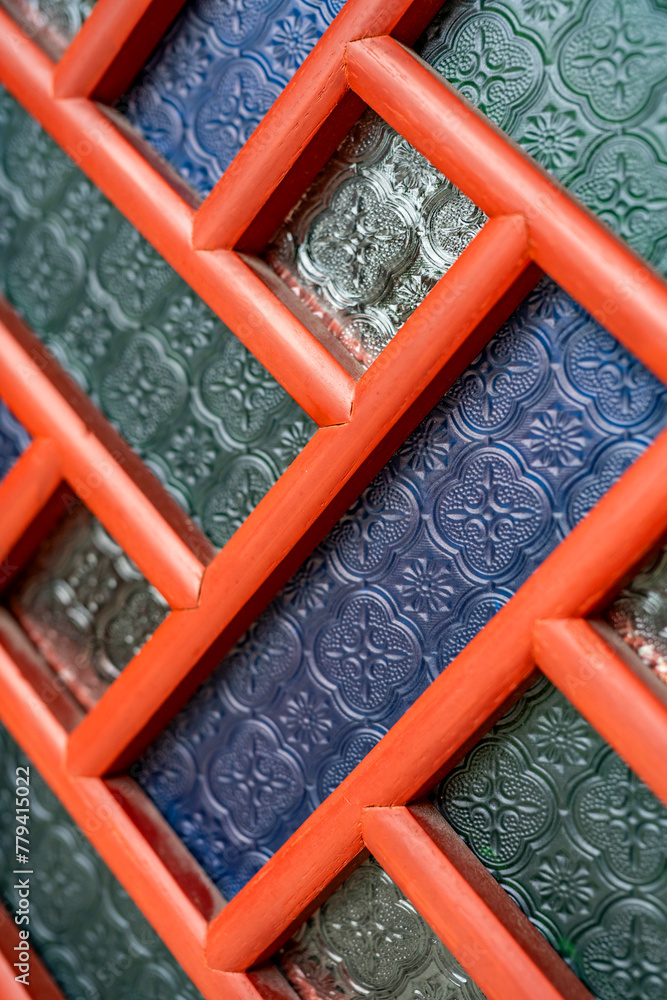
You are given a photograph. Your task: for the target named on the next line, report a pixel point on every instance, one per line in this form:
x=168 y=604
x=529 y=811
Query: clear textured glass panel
x=515 y=454
x=83 y=925
x=216 y=74
x=14 y=439
x=52 y=23
x=85 y=605
x=368 y=940
x=581 y=87
x=575 y=838
x=639 y=614
x=206 y=417
x=372 y=235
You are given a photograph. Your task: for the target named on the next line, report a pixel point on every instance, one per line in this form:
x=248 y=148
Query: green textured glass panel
x=206 y=417
x=582 y=87
x=86 y=605
x=372 y=235
x=53 y=23
x=368 y=940
x=83 y=925
x=576 y=839
x=639 y=614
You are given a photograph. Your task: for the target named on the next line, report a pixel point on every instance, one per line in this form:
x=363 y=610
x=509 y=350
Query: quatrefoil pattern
x=216 y=74
x=574 y=836
x=372 y=235
x=205 y=416
x=532 y=434
x=559 y=77
x=84 y=926
x=368 y=940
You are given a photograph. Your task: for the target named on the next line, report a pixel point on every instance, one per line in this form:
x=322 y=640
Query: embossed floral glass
x=574 y=837
x=639 y=614
x=368 y=940
x=515 y=454
x=216 y=74
x=582 y=88
x=85 y=605
x=14 y=439
x=206 y=417
x=372 y=235
x=52 y=23
x=83 y=925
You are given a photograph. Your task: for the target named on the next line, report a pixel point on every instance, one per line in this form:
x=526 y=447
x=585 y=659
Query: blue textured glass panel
x=83 y=925
x=574 y=837
x=527 y=440
x=639 y=614
x=14 y=439
x=216 y=74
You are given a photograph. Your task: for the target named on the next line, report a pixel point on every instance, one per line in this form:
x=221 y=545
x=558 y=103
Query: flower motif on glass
x=143 y=389
x=564 y=884
x=377 y=937
x=616 y=56
x=307 y=719
x=133 y=272
x=239 y=392
x=617 y=813
x=243 y=483
x=490 y=67
x=366 y=654
x=622 y=390
x=357 y=243
x=561 y=737
x=556 y=439
x=271 y=652
x=255 y=781
x=490 y=513
x=292 y=39
x=426 y=585
x=242 y=97
x=496 y=804
x=624 y=957
x=44 y=275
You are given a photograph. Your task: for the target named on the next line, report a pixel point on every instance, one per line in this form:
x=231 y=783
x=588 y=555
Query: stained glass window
x=206 y=417
x=371 y=237
x=368 y=940
x=575 y=838
x=216 y=74
x=53 y=23
x=581 y=88
x=518 y=451
x=84 y=926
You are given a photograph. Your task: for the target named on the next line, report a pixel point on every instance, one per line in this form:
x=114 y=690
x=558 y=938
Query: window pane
x=85 y=605
x=368 y=940
x=216 y=74
x=576 y=839
x=84 y=926
x=639 y=614
x=372 y=235
x=581 y=87
x=207 y=418
x=52 y=23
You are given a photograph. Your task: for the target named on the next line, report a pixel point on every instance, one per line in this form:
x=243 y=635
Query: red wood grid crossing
x=535 y=225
